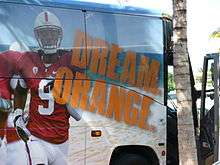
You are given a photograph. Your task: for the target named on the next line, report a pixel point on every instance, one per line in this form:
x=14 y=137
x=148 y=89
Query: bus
x=115 y=77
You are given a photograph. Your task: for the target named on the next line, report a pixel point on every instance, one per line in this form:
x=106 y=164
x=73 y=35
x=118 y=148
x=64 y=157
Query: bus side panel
x=122 y=91
x=126 y=96
x=115 y=134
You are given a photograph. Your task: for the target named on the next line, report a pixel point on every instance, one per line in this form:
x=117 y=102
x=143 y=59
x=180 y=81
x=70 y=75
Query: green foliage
x=198 y=78
x=171 y=84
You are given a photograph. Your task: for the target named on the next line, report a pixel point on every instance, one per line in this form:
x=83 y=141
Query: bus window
x=17 y=25
x=126 y=50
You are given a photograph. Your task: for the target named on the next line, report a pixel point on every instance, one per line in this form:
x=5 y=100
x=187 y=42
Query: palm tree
x=186 y=133
x=214 y=41
x=216 y=33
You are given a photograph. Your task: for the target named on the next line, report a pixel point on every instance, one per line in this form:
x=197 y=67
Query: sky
x=202 y=16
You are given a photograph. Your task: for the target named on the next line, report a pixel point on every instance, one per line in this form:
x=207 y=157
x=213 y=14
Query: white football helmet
x=48 y=32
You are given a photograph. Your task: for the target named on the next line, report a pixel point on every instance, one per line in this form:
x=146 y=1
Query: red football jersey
x=47 y=119
x=8 y=62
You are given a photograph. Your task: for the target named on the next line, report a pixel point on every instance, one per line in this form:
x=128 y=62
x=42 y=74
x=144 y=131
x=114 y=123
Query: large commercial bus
x=120 y=87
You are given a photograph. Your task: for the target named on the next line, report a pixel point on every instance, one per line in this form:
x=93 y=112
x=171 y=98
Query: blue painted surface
x=82 y=5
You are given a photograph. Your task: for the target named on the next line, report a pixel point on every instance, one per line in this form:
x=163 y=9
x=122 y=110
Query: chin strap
x=44 y=52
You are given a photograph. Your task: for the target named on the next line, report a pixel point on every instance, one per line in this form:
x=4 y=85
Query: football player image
x=15 y=147
x=8 y=61
x=47 y=131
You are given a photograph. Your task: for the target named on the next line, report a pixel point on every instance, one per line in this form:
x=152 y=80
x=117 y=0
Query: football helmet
x=48 y=32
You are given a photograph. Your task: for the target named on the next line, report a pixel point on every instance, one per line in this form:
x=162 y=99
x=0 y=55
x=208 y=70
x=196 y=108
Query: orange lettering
x=144 y=114
x=142 y=72
x=98 y=99
x=151 y=80
x=131 y=112
x=129 y=66
x=113 y=104
x=80 y=57
x=99 y=57
x=122 y=99
x=80 y=92
x=155 y=67
x=113 y=62
x=103 y=57
x=62 y=85
x=89 y=49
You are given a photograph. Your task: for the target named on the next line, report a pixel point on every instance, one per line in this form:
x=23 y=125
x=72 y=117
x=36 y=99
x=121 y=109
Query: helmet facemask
x=49 y=38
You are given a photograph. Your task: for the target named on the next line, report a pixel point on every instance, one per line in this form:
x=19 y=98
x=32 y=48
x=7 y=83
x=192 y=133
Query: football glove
x=20 y=125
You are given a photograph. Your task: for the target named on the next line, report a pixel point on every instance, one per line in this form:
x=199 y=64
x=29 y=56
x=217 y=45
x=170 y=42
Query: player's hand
x=5 y=105
x=20 y=125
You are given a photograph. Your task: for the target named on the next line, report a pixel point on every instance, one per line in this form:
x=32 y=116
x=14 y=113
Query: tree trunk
x=186 y=136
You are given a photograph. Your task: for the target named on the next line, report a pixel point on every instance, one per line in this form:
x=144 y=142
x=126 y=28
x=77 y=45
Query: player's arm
x=20 y=97
x=19 y=88
x=74 y=113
